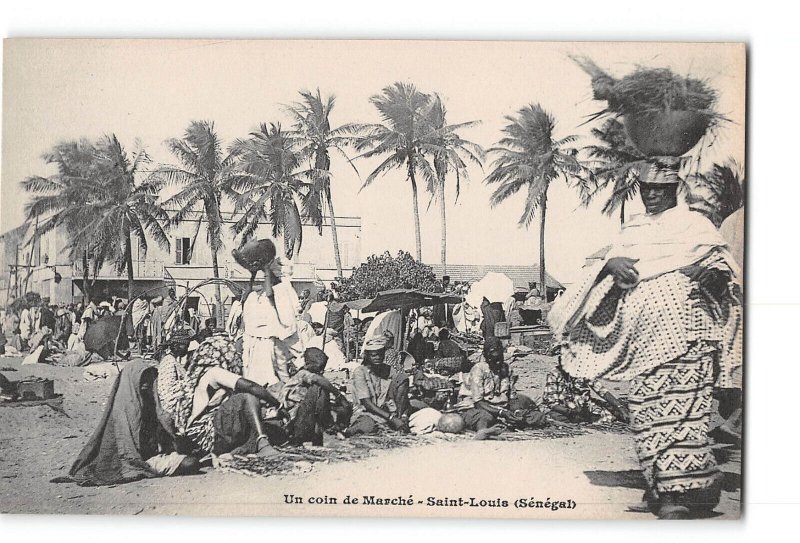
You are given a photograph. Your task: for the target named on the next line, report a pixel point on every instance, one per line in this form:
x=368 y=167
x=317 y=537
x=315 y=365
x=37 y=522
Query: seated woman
x=208 y=406
x=380 y=392
x=487 y=396
x=306 y=397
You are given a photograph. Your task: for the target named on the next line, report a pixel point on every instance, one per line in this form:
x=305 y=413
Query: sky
x=56 y=90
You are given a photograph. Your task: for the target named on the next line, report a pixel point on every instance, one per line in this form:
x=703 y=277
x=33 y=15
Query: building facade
x=43 y=266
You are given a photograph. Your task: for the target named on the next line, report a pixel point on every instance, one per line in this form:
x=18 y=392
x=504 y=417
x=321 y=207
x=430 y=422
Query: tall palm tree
x=205 y=174
x=450 y=154
x=98 y=197
x=272 y=182
x=529 y=157
x=616 y=163
x=404 y=135
x=66 y=198
x=317 y=140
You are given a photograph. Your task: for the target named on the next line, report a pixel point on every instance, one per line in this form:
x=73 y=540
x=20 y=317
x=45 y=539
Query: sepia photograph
x=372 y=278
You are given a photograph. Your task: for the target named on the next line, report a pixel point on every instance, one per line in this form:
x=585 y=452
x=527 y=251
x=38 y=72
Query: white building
x=314 y=264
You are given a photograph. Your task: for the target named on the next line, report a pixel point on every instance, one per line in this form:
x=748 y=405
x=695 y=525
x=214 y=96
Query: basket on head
x=666 y=133
x=255 y=254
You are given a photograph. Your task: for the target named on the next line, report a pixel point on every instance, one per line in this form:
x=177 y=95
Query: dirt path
x=597 y=470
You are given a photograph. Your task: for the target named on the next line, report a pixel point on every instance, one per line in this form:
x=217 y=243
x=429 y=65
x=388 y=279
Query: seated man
x=380 y=392
x=306 y=398
x=211 y=407
x=487 y=395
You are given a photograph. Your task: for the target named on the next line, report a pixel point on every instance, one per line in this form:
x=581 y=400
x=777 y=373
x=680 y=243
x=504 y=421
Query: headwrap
x=180 y=336
x=377 y=343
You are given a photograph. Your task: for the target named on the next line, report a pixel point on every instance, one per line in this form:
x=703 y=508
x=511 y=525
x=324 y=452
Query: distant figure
x=447 y=347
x=234 y=323
x=157 y=322
x=492 y=314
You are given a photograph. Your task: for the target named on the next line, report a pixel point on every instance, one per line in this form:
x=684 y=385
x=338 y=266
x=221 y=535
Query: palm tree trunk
x=417 y=233
x=622 y=212
x=85 y=263
x=334 y=234
x=219 y=317
x=129 y=265
x=443 y=217
x=542 y=274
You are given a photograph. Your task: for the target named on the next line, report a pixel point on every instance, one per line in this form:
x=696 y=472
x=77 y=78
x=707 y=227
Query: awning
x=409 y=299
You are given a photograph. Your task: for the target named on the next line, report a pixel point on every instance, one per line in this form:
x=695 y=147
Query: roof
x=520 y=275
x=599 y=254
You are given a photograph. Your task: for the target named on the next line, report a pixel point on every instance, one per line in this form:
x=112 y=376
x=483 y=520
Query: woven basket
x=666 y=133
x=447 y=366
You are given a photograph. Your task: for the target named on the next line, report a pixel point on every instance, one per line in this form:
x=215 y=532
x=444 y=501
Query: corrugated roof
x=520 y=275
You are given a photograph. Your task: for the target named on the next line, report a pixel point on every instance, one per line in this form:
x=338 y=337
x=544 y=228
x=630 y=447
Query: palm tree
x=317 y=140
x=718 y=192
x=205 y=174
x=97 y=197
x=529 y=157
x=405 y=135
x=271 y=183
x=616 y=163
x=450 y=154
x=65 y=198
x=131 y=208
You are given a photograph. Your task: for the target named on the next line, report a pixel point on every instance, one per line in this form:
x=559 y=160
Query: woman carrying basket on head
x=269 y=316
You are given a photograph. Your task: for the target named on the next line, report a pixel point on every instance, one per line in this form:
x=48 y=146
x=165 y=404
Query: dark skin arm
x=327 y=386
x=250 y=387
x=497 y=411
x=622 y=269
x=394 y=422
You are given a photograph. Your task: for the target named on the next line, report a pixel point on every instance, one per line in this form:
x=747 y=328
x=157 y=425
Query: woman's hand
x=623 y=270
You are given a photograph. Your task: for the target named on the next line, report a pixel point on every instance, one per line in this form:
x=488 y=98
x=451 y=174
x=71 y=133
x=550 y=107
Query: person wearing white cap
x=380 y=392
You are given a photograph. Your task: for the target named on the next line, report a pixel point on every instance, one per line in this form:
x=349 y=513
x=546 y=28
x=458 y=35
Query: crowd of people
x=661 y=312
x=33 y=327
x=259 y=382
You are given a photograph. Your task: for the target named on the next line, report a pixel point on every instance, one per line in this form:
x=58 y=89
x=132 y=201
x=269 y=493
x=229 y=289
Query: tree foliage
x=274 y=180
x=718 y=192
x=97 y=197
x=385 y=272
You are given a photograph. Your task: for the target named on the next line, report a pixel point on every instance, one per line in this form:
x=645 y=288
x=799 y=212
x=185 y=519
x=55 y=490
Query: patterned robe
x=672 y=340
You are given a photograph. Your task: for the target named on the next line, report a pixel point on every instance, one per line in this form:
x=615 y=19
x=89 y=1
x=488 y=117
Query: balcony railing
x=155 y=270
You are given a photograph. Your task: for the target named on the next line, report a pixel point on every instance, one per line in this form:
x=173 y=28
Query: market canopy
x=358 y=305
x=402 y=298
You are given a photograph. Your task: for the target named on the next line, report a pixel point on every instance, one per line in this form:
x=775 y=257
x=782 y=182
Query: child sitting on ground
x=306 y=397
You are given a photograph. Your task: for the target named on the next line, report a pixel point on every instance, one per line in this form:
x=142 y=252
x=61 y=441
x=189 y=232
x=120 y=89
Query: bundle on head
x=665 y=114
x=255 y=254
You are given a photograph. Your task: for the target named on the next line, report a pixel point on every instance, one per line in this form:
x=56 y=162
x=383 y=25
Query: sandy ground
x=598 y=470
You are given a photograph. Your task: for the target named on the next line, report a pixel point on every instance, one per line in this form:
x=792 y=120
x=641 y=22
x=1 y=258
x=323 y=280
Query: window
x=182 y=250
